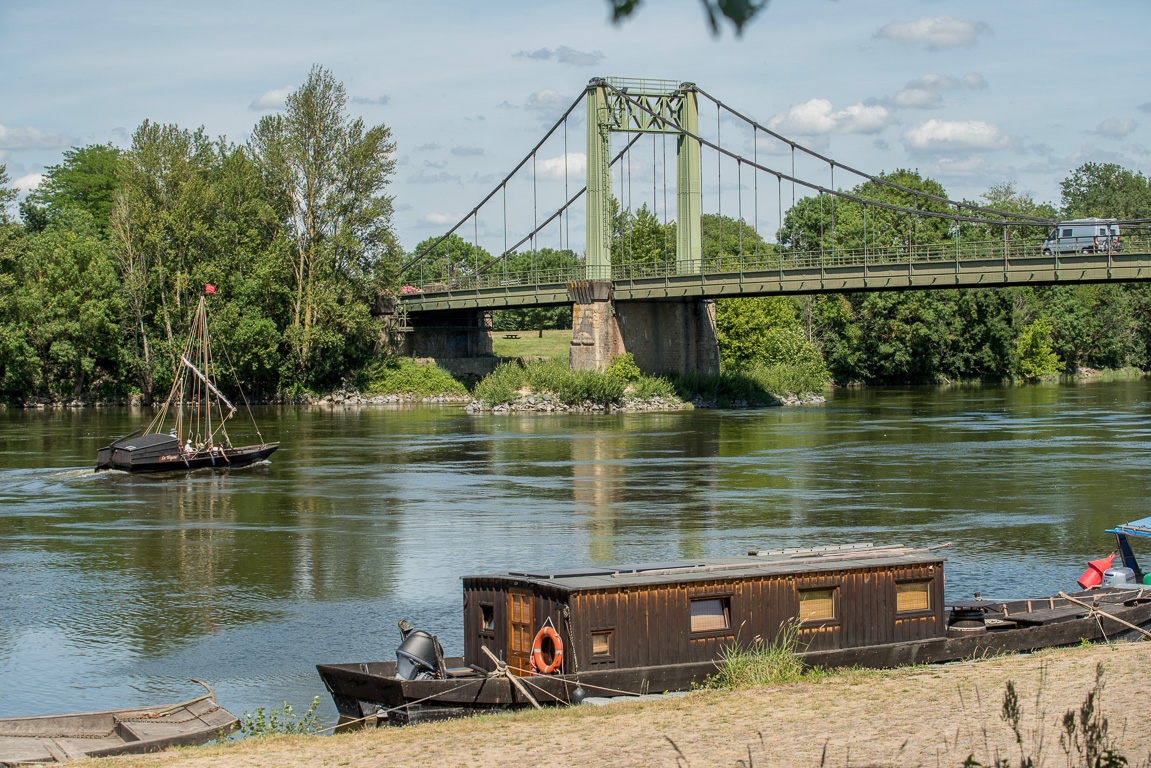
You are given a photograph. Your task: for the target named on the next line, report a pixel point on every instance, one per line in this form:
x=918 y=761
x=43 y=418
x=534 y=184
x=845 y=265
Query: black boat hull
x=371 y=694
x=171 y=458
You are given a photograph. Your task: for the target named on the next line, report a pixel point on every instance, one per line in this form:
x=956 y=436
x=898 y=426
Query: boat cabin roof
x=756 y=564
x=148 y=441
x=1141 y=527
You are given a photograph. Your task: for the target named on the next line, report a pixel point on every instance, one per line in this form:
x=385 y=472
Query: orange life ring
x=547 y=632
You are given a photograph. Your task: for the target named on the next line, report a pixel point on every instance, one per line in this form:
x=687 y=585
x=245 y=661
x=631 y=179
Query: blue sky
x=972 y=94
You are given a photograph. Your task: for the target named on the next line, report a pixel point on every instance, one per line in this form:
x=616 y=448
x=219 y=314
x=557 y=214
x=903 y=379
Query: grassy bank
x=938 y=716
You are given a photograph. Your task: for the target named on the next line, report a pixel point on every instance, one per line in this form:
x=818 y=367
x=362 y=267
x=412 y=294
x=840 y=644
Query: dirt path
x=925 y=716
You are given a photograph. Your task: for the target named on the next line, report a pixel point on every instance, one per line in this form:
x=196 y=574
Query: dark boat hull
x=59 y=738
x=172 y=458
x=369 y=692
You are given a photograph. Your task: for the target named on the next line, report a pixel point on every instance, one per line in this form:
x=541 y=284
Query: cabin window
x=817 y=604
x=913 y=596
x=601 y=644
x=711 y=614
x=488 y=616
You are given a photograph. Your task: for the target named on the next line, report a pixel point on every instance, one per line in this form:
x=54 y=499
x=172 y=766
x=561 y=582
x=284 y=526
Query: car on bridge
x=1083 y=236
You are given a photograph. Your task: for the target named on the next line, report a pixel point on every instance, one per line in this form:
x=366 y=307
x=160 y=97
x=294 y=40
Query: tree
x=452 y=259
x=1106 y=191
x=722 y=236
x=1036 y=358
x=639 y=237
x=327 y=175
x=87 y=179
x=738 y=12
x=742 y=325
x=7 y=195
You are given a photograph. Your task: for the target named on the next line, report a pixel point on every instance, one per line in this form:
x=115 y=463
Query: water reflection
x=120 y=587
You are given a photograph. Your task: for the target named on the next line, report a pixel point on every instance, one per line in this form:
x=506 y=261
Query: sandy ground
x=924 y=716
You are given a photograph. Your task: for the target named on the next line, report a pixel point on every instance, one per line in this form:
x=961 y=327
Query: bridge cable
x=816 y=187
x=869 y=177
x=501 y=185
x=550 y=219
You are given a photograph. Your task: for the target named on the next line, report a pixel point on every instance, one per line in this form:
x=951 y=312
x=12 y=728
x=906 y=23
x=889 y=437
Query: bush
x=281 y=721
x=403 y=375
x=646 y=387
x=624 y=368
x=501 y=385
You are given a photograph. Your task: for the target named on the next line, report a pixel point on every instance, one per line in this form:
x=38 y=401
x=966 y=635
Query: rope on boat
x=1097 y=613
x=405 y=705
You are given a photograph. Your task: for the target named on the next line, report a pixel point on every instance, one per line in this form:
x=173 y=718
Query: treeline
x=103 y=267
x=99 y=277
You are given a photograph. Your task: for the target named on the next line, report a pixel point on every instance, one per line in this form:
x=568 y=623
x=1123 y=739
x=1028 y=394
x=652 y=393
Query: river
x=116 y=589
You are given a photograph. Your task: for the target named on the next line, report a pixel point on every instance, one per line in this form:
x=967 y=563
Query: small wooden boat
x=553 y=636
x=197 y=436
x=61 y=738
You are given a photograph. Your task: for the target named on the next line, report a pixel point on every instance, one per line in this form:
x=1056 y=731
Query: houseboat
x=536 y=637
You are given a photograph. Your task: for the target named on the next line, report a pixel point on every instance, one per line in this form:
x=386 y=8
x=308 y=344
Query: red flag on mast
x=209 y=288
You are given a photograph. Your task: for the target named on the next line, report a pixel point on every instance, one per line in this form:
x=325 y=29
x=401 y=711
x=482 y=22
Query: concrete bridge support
x=450 y=333
x=662 y=336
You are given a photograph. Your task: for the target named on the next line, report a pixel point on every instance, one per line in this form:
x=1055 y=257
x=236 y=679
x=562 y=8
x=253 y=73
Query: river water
x=116 y=589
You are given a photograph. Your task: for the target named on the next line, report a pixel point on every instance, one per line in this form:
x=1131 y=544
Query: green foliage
x=647 y=387
x=87 y=179
x=593 y=386
x=1106 y=191
x=1036 y=358
x=283 y=721
x=762 y=663
x=501 y=385
x=722 y=389
x=404 y=375
x=738 y=12
x=742 y=326
x=449 y=261
x=624 y=368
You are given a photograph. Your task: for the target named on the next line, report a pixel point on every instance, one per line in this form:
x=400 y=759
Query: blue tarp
x=1140 y=527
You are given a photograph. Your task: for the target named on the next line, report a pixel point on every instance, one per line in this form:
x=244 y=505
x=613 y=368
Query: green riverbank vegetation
x=102 y=265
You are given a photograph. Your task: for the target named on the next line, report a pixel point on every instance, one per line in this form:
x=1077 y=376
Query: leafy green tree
x=327 y=176
x=1035 y=355
x=723 y=236
x=638 y=237
x=1107 y=191
x=87 y=179
x=742 y=325
x=66 y=297
x=451 y=260
x=825 y=222
x=7 y=195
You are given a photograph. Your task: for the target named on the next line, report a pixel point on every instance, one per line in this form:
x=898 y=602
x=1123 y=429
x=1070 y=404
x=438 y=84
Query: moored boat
x=61 y=738
x=190 y=430
x=550 y=636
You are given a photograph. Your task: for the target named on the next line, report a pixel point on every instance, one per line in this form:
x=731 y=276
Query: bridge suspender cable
x=818 y=188
x=869 y=177
x=499 y=186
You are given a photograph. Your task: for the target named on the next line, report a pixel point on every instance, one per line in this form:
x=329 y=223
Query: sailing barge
x=197 y=437
x=553 y=636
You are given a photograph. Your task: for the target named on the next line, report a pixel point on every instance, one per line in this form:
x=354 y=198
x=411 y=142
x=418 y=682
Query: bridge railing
x=914 y=254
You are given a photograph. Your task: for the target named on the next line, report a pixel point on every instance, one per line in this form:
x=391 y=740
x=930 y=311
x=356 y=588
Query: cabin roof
x=755 y=564
x=148 y=441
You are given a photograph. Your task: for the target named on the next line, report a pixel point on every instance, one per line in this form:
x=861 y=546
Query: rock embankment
x=550 y=404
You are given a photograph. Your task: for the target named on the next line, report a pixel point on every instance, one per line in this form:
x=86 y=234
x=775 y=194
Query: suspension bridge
x=632 y=291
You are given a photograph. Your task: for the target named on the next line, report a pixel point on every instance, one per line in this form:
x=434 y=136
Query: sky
x=972 y=93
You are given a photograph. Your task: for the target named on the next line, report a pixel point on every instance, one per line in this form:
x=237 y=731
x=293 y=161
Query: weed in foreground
x=762 y=663
x=283 y=721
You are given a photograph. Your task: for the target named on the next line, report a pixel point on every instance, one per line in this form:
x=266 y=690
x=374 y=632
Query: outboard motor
x=417 y=657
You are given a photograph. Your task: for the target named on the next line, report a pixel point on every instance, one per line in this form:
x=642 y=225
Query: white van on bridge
x=1083 y=236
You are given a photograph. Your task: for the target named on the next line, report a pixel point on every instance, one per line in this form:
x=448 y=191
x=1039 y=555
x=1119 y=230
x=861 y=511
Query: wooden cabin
x=687 y=611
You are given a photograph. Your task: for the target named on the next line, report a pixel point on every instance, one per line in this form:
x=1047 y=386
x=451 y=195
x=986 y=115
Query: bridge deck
x=968 y=265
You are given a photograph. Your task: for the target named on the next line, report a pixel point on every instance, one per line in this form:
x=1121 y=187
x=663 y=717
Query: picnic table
x=511 y=335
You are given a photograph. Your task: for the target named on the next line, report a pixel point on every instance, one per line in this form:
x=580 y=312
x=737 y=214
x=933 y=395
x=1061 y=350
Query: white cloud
x=950 y=135
x=917 y=98
x=547 y=100
x=1116 y=127
x=817 y=116
x=936 y=82
x=935 y=32
x=28 y=137
x=960 y=166
x=553 y=167
x=28 y=183
x=564 y=55
x=442 y=219
x=273 y=99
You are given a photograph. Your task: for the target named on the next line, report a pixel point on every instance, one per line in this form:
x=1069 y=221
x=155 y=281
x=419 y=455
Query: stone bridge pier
x=662 y=336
